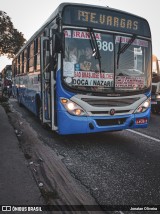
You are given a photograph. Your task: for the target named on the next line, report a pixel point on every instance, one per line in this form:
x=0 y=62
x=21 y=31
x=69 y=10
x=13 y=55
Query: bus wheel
x=40 y=113
x=40 y=118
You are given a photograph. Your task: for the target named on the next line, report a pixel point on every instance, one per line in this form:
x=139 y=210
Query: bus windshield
x=105 y=62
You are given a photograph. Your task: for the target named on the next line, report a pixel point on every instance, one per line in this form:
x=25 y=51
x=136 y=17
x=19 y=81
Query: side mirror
x=58 y=42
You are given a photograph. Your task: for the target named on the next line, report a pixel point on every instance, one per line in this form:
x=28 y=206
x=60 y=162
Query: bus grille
x=110 y=122
x=108 y=112
x=110 y=102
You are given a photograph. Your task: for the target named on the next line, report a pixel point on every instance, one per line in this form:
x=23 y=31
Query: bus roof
x=60 y=9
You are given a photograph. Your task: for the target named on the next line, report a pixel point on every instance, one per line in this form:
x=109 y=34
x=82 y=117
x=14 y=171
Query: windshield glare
x=86 y=68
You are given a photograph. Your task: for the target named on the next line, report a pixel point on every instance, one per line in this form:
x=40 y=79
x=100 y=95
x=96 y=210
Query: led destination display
x=105 y=19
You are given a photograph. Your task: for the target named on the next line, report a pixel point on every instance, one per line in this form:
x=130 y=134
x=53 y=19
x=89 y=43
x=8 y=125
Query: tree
x=11 y=40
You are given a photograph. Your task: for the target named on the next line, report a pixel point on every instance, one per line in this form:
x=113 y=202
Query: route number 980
x=105 y=46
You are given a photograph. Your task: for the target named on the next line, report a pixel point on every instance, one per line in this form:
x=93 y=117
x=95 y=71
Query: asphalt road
x=117 y=168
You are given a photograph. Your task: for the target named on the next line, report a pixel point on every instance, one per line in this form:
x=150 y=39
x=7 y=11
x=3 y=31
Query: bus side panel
x=30 y=101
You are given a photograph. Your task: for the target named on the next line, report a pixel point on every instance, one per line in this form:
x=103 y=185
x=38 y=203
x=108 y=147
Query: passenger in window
x=88 y=61
x=73 y=55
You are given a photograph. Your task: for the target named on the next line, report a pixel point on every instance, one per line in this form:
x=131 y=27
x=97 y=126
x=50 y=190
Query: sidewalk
x=17 y=186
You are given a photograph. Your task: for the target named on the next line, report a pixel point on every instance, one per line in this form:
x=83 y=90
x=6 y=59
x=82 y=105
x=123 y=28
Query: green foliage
x=11 y=40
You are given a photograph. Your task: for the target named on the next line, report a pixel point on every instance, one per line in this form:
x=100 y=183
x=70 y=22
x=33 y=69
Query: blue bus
x=87 y=70
x=6 y=80
x=6 y=73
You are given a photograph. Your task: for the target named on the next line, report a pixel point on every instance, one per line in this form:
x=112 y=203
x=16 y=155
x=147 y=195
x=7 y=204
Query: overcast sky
x=28 y=15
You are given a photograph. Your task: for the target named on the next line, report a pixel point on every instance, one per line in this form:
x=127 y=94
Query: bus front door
x=47 y=82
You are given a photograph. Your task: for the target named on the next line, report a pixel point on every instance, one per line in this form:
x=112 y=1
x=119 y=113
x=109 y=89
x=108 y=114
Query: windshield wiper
x=94 y=45
x=124 y=47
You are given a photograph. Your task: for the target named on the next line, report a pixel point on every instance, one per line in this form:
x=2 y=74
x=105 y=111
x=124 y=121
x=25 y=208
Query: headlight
x=72 y=107
x=144 y=106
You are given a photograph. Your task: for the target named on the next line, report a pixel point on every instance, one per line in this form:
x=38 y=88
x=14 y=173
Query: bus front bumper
x=69 y=124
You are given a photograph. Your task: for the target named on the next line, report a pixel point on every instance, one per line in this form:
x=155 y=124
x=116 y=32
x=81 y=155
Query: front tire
x=40 y=116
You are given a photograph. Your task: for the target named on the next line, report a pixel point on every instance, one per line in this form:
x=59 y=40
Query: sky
x=28 y=15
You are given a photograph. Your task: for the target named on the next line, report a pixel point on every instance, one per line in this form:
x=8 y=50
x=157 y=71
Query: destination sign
x=107 y=19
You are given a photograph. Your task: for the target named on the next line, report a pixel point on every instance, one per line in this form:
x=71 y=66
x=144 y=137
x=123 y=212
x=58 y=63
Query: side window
x=18 y=70
x=28 y=58
x=22 y=62
x=31 y=58
x=16 y=65
x=35 y=53
x=25 y=61
x=38 y=54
